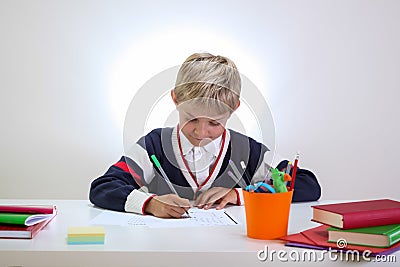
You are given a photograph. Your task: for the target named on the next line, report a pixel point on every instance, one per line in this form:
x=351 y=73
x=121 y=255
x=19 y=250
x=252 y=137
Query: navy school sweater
x=111 y=190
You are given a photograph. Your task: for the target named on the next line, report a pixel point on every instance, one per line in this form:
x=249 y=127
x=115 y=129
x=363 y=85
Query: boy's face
x=201 y=126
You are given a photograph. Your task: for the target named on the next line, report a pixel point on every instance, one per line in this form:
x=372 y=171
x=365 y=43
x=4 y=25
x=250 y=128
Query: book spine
x=13 y=218
x=371 y=218
x=27 y=209
x=394 y=236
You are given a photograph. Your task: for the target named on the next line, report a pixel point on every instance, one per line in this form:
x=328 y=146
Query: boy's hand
x=167 y=206
x=219 y=195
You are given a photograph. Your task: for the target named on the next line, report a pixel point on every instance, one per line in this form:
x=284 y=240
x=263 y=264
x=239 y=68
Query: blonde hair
x=213 y=81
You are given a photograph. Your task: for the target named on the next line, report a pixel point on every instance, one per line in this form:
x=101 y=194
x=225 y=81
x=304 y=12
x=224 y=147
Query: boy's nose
x=201 y=130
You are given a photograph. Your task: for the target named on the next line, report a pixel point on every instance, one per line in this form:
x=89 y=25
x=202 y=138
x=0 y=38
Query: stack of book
x=24 y=221
x=372 y=225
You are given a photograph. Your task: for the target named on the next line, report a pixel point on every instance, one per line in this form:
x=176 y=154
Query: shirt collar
x=212 y=147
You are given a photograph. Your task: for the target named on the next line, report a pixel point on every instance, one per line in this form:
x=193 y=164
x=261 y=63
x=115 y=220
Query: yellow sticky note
x=86 y=231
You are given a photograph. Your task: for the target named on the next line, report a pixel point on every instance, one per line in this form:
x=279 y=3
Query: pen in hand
x=164 y=175
x=187 y=213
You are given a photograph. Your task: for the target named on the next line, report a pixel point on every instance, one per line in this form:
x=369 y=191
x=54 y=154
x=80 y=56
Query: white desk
x=141 y=246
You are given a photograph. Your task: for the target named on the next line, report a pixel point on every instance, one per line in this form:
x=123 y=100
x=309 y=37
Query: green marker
x=158 y=165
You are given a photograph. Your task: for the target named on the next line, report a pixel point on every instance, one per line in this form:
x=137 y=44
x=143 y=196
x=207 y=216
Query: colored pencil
x=296 y=161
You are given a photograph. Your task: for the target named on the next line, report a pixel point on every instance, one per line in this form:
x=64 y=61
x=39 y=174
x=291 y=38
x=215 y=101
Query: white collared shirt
x=200 y=158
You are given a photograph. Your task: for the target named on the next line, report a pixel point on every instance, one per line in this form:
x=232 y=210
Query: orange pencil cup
x=267 y=214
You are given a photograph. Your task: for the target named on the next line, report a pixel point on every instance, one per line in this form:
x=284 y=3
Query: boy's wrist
x=136 y=200
x=145 y=208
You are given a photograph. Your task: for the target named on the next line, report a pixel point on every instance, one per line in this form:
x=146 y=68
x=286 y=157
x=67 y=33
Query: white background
x=328 y=69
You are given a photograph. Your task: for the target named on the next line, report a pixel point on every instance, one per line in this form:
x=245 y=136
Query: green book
x=377 y=236
x=22 y=218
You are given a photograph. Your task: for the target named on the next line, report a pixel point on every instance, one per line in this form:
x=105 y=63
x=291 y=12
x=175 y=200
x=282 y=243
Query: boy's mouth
x=203 y=141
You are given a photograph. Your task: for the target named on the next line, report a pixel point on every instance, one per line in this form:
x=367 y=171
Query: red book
x=22 y=232
x=358 y=214
x=29 y=209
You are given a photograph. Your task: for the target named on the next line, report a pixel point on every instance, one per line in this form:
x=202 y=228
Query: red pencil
x=296 y=161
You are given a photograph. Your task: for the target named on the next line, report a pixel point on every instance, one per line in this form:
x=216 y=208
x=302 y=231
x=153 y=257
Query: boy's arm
x=119 y=190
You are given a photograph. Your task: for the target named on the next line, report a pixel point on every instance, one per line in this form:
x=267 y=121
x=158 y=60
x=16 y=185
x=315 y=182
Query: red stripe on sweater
x=123 y=166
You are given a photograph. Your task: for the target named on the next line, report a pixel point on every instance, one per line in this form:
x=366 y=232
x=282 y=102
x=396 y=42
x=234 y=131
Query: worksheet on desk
x=198 y=217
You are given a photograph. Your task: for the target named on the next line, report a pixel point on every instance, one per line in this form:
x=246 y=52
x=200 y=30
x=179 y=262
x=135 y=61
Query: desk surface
x=225 y=245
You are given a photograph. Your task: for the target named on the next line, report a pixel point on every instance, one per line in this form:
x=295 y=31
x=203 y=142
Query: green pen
x=158 y=165
x=164 y=175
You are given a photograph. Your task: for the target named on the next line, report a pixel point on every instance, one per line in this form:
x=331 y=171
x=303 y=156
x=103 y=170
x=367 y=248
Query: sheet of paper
x=109 y=217
x=198 y=217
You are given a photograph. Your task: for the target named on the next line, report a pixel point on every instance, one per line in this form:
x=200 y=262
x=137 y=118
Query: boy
x=195 y=154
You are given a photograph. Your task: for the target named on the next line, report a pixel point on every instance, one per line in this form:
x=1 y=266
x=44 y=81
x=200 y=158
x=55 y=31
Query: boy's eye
x=191 y=119
x=212 y=123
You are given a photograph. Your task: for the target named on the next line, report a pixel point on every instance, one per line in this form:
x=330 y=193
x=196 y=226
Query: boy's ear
x=174 y=97
x=238 y=104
